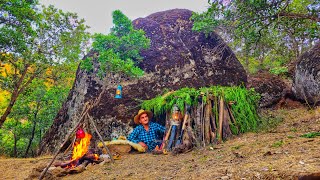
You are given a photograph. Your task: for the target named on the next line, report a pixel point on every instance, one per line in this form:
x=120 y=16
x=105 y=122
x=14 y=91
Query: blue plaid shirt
x=151 y=138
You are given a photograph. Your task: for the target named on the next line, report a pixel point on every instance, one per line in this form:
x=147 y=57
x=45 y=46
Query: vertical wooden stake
x=100 y=137
x=207 y=129
x=198 y=124
x=221 y=109
x=165 y=140
x=202 y=123
x=226 y=122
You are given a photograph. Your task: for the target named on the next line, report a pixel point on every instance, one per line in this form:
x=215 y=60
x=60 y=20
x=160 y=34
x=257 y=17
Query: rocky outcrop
x=271 y=88
x=178 y=57
x=306 y=85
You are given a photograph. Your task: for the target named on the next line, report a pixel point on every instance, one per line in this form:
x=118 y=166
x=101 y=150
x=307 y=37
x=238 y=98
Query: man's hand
x=143 y=145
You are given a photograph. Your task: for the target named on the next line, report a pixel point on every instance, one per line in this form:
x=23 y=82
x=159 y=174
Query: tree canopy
x=119 y=50
x=33 y=39
x=263 y=29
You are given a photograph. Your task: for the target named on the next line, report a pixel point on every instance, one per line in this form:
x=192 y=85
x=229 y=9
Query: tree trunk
x=247 y=58
x=33 y=128
x=15 y=144
x=18 y=89
x=261 y=59
x=31 y=138
x=8 y=110
x=40 y=135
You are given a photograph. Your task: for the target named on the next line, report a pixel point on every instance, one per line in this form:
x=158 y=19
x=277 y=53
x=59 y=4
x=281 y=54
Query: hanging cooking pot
x=80 y=133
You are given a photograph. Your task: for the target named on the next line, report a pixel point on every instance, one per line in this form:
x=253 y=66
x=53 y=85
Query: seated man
x=148 y=134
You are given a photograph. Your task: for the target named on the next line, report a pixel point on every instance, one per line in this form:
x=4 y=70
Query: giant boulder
x=178 y=57
x=306 y=85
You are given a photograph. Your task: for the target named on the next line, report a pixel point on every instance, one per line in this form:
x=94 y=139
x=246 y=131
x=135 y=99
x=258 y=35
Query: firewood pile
x=206 y=123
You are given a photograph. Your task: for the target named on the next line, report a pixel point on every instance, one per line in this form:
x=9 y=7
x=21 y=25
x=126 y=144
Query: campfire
x=77 y=162
x=81 y=155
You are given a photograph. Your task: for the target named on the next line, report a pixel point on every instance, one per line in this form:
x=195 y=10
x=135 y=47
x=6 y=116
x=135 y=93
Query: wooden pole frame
x=84 y=114
x=65 y=141
x=100 y=137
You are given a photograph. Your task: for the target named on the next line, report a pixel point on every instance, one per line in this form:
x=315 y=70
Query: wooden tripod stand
x=84 y=114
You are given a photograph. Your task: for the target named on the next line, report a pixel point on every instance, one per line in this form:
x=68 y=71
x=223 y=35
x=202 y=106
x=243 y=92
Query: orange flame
x=81 y=148
x=96 y=156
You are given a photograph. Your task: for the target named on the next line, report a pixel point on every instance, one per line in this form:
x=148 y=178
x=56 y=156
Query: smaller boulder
x=271 y=88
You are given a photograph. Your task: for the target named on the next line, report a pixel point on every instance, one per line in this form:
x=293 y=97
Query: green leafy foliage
x=35 y=108
x=263 y=32
x=12 y=138
x=119 y=51
x=40 y=48
x=244 y=110
x=311 y=135
x=16 y=20
x=279 y=70
x=33 y=40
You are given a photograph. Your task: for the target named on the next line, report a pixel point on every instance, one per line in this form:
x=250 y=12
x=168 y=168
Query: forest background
x=41 y=48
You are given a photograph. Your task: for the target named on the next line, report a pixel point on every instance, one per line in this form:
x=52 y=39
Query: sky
x=97 y=13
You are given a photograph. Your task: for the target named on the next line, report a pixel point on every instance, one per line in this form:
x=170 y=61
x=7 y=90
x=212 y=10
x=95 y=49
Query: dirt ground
x=279 y=153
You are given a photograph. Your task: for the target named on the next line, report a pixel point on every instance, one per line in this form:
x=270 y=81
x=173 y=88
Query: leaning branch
x=298 y=16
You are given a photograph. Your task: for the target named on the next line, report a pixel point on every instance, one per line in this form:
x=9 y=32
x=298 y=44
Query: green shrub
x=279 y=70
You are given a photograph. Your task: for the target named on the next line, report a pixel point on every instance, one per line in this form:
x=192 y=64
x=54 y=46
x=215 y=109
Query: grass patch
x=277 y=144
x=293 y=129
x=268 y=122
x=290 y=137
x=203 y=159
x=311 y=135
x=237 y=147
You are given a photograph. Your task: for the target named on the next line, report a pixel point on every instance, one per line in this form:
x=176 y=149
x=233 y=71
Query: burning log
x=61 y=169
x=81 y=156
x=64 y=164
x=91 y=158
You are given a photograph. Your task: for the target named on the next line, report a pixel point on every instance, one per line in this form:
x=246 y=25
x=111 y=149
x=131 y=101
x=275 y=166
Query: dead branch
x=100 y=137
